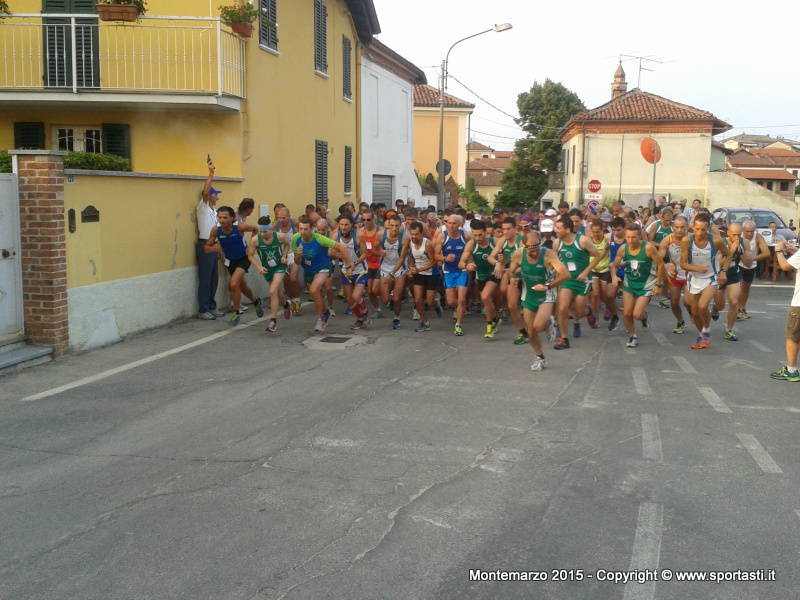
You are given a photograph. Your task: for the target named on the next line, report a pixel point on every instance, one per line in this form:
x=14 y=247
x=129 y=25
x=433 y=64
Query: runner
x=449 y=247
x=228 y=237
x=700 y=258
x=789 y=259
x=369 y=234
x=354 y=281
x=580 y=256
x=271 y=248
x=738 y=257
x=656 y=232
x=757 y=247
x=394 y=250
x=510 y=287
x=602 y=289
x=475 y=259
x=670 y=248
x=536 y=264
x=425 y=283
x=644 y=271
x=311 y=249
x=286 y=225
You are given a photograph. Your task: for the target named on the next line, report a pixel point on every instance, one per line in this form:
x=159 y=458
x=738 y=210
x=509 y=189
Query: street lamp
x=442 y=86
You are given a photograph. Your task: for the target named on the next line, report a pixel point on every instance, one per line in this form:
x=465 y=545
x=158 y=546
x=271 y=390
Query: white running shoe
x=633 y=342
x=415 y=315
x=320 y=326
x=539 y=364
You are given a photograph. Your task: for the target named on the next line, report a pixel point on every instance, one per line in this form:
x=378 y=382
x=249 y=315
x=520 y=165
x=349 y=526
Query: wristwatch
x=548 y=285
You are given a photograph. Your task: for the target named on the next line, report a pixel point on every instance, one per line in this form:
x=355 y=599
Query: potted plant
x=121 y=10
x=239 y=17
x=4 y=9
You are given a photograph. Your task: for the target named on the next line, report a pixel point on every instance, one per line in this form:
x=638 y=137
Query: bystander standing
x=207 y=274
x=788 y=260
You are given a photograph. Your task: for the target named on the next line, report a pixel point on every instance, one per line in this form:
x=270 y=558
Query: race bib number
x=571 y=267
x=271 y=263
x=227 y=262
x=635 y=265
x=307 y=262
x=369 y=245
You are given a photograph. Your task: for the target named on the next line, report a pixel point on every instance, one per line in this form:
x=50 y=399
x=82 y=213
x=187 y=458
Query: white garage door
x=382 y=189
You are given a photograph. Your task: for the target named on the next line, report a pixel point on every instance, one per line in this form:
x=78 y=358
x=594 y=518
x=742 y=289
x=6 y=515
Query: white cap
x=550 y=212
x=546 y=225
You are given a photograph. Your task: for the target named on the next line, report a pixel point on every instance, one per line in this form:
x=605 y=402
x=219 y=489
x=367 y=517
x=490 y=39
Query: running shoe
x=395 y=323
x=423 y=326
x=244 y=308
x=438 y=309
x=378 y=313
x=592 y=321
x=730 y=335
x=562 y=344
x=259 y=308
x=664 y=303
x=320 y=326
x=272 y=326
x=715 y=314
x=680 y=327
x=414 y=315
x=287 y=310
x=340 y=293
x=357 y=325
x=331 y=313
x=326 y=316
x=520 y=339
x=783 y=374
x=706 y=343
x=613 y=323
x=206 y=316
x=538 y=363
x=490 y=327
x=644 y=321
x=698 y=345
x=297 y=307
x=458 y=330
x=235 y=317
x=218 y=313
x=633 y=342
x=348 y=311
x=576 y=330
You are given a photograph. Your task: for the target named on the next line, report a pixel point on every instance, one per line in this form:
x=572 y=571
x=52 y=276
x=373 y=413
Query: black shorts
x=428 y=282
x=748 y=275
x=238 y=263
x=733 y=277
x=374 y=273
x=606 y=276
x=482 y=282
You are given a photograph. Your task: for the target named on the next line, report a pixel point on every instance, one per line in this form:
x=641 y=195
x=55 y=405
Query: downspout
x=583 y=163
x=621 y=153
x=356 y=167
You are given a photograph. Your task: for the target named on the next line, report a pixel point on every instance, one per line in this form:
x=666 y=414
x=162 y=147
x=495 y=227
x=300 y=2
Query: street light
x=442 y=86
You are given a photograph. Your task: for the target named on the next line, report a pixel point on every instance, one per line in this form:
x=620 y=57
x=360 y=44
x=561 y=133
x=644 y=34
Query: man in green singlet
x=500 y=258
x=271 y=248
x=475 y=259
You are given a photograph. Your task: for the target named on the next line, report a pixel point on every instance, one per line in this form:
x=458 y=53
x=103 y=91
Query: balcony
x=56 y=60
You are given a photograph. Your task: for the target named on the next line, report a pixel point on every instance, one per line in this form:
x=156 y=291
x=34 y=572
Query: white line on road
x=761 y=456
x=646 y=550
x=137 y=363
x=661 y=338
x=651 y=438
x=760 y=346
x=797 y=512
x=782 y=305
x=714 y=400
x=640 y=381
x=685 y=365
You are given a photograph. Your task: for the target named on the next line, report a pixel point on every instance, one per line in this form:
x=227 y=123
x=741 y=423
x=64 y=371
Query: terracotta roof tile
x=491 y=179
x=473 y=145
x=764 y=174
x=427 y=95
x=489 y=163
x=758 y=157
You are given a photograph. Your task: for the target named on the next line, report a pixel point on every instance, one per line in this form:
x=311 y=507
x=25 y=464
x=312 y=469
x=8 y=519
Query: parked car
x=762 y=217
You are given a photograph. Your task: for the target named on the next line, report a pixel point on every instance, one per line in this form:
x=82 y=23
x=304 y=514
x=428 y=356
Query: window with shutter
x=347 y=51
x=320 y=36
x=348 y=170
x=29 y=136
x=321 y=172
x=268 y=24
x=57 y=41
x=117 y=139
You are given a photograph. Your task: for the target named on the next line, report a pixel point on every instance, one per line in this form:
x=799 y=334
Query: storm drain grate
x=331 y=339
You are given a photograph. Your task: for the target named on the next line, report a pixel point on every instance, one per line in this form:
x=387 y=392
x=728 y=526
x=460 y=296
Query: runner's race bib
x=571 y=267
x=271 y=263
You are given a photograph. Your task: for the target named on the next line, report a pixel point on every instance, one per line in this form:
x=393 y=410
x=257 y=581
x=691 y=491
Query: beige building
x=486 y=167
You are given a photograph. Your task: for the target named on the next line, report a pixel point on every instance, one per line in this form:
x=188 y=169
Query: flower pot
x=244 y=30
x=117 y=12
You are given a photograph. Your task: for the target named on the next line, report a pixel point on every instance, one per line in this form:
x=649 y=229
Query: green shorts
x=579 y=288
x=309 y=275
x=639 y=293
x=533 y=300
x=272 y=272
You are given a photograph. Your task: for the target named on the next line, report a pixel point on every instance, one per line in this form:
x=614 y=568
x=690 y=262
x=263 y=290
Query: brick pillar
x=44 y=253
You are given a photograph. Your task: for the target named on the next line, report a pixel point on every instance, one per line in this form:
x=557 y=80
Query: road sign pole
x=653 y=191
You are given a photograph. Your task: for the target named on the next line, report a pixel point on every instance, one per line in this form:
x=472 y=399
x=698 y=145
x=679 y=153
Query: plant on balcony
x=5 y=162
x=95 y=161
x=239 y=17
x=4 y=8
x=121 y=10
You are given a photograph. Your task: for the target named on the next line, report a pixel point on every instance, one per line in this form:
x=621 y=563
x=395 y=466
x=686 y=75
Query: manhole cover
x=334 y=340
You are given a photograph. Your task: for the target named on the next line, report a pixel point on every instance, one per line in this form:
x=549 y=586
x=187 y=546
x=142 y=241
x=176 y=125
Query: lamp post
x=442 y=87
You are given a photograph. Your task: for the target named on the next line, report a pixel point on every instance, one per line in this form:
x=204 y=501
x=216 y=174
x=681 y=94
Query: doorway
x=11 y=314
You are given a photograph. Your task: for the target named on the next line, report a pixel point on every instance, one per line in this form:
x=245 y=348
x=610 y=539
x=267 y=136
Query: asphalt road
x=253 y=467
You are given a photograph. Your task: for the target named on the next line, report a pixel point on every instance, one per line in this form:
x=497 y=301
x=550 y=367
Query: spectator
x=246 y=208
x=788 y=259
x=207 y=275
x=689 y=212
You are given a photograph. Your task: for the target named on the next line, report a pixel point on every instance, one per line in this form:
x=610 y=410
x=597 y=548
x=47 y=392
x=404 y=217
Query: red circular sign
x=651 y=151
x=594 y=186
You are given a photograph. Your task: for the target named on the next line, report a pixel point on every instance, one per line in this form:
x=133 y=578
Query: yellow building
x=426 y=132
x=277 y=112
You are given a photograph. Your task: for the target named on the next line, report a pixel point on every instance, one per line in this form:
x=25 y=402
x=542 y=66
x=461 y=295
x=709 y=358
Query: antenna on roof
x=641 y=67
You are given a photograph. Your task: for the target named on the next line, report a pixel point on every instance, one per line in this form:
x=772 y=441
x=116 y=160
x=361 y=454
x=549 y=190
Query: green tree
x=475 y=200
x=523 y=183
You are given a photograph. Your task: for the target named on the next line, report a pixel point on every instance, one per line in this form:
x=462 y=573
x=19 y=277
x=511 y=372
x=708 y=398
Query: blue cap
x=214 y=191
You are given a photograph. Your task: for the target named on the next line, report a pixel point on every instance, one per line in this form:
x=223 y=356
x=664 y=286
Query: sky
x=732 y=58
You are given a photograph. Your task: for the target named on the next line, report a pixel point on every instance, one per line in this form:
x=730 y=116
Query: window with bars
x=321 y=172
x=348 y=170
x=268 y=24
x=320 y=36
x=347 y=52
x=77 y=139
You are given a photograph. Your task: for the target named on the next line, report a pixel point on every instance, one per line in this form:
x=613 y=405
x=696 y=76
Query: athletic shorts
x=533 y=301
x=358 y=279
x=272 y=272
x=309 y=275
x=482 y=282
x=458 y=279
x=429 y=282
x=638 y=293
x=793 y=324
x=238 y=263
x=373 y=273
x=388 y=273
x=698 y=284
x=677 y=282
x=748 y=275
x=731 y=280
x=579 y=288
x=604 y=276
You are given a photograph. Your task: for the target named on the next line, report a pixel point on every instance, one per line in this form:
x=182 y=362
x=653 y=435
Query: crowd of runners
x=544 y=274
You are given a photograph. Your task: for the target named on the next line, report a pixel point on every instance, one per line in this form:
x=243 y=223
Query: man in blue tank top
x=449 y=246
x=228 y=237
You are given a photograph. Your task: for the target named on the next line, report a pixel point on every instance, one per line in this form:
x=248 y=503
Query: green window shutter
x=117 y=139
x=347 y=51
x=321 y=172
x=268 y=24
x=348 y=169
x=29 y=136
x=320 y=36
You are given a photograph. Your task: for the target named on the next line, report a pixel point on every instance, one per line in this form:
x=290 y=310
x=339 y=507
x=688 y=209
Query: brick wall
x=44 y=256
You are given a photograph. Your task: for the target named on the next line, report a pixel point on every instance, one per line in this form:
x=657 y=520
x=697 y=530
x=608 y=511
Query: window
x=794 y=172
x=321 y=172
x=573 y=158
x=268 y=24
x=769 y=185
x=348 y=170
x=784 y=186
x=320 y=36
x=347 y=52
x=29 y=135
x=77 y=139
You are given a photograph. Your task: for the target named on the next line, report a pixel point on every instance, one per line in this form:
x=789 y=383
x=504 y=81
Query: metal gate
x=10 y=258
x=382 y=189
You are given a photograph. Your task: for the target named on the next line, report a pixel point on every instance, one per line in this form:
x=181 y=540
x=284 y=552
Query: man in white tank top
x=757 y=246
x=670 y=247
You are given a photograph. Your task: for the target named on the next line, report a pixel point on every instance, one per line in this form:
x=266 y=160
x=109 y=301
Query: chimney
x=620 y=86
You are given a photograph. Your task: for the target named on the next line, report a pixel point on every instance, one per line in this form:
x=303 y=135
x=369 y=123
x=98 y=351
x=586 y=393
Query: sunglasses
x=532 y=246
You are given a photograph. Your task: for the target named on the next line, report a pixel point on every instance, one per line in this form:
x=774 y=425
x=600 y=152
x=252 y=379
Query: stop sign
x=594 y=186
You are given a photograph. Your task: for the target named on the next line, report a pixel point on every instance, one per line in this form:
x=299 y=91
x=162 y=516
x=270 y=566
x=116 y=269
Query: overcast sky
x=735 y=58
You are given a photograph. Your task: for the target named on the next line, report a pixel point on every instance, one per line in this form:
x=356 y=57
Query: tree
x=475 y=200
x=522 y=183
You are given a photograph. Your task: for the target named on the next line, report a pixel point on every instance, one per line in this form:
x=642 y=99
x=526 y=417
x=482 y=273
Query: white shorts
x=388 y=273
x=698 y=284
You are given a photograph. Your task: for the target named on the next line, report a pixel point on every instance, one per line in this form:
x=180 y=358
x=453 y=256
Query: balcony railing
x=78 y=53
